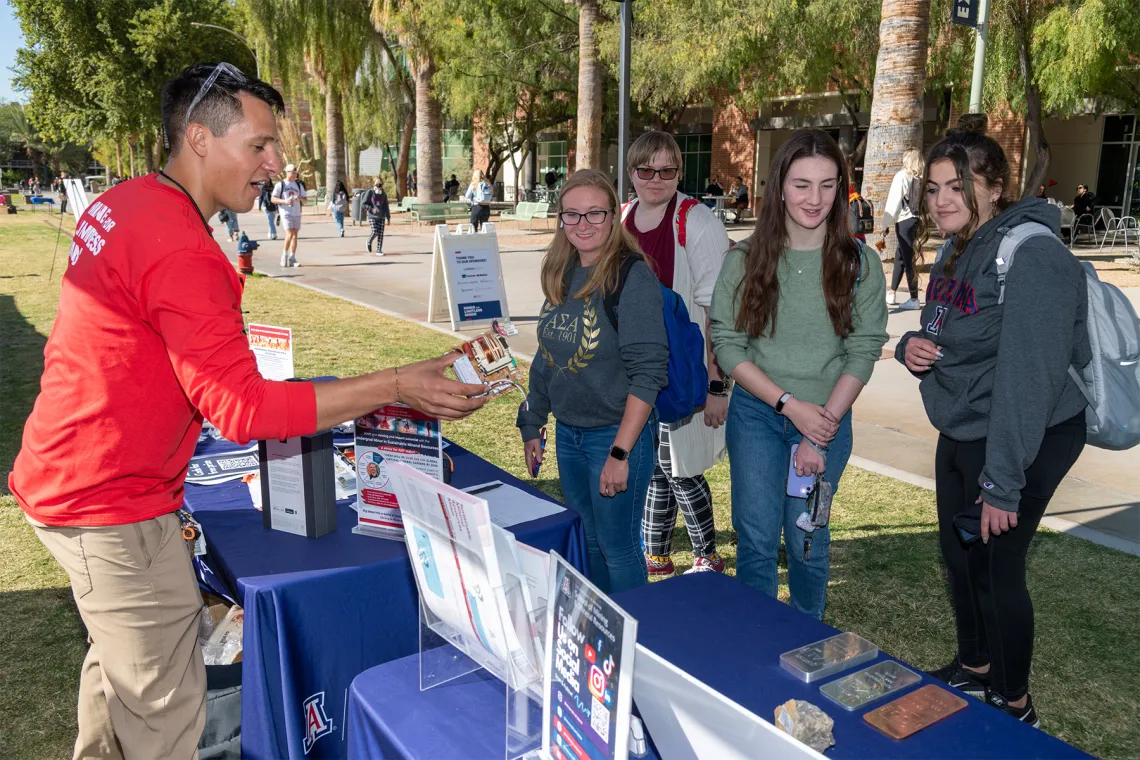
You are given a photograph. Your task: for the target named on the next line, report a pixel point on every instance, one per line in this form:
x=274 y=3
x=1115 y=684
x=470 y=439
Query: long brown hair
x=759 y=290
x=561 y=255
x=971 y=152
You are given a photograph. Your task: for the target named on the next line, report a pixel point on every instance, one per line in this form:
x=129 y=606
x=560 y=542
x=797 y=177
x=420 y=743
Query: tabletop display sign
x=298 y=493
x=467 y=278
x=394 y=433
x=77 y=197
x=273 y=349
x=588 y=684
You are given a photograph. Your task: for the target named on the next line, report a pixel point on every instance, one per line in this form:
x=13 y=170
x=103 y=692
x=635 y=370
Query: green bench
x=406 y=204
x=436 y=213
x=527 y=211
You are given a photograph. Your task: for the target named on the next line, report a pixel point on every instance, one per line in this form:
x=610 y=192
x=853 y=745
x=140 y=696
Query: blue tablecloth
x=320 y=611
x=389 y=717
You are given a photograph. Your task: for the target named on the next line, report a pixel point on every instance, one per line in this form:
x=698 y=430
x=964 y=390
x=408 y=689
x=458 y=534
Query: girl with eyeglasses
x=799 y=319
x=685 y=244
x=599 y=380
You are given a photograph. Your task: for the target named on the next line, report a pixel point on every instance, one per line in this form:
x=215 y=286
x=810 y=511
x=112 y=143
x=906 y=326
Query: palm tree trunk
x=896 y=110
x=118 y=157
x=589 y=123
x=429 y=139
x=1035 y=120
x=404 y=153
x=131 y=156
x=334 y=138
x=148 y=152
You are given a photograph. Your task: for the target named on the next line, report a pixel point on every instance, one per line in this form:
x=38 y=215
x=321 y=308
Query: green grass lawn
x=886 y=576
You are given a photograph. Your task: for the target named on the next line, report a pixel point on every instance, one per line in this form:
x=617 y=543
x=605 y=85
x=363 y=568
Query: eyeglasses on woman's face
x=595 y=217
x=647 y=173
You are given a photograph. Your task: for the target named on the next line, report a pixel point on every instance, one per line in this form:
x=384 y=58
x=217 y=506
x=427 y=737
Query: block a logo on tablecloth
x=317 y=723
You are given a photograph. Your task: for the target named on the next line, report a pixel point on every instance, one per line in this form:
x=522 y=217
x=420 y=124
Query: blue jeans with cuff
x=612 y=523
x=759 y=452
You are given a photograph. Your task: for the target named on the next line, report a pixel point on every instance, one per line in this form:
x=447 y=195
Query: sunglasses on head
x=646 y=173
x=228 y=68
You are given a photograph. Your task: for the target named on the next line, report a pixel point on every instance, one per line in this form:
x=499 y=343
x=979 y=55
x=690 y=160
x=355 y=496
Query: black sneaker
x=974 y=684
x=1025 y=714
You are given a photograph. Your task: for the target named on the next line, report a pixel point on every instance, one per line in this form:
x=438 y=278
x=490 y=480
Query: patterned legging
x=377 y=225
x=666 y=494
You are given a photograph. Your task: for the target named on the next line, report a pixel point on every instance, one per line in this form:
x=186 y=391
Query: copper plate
x=910 y=714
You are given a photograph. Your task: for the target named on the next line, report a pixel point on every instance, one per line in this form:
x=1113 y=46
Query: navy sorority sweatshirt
x=1003 y=376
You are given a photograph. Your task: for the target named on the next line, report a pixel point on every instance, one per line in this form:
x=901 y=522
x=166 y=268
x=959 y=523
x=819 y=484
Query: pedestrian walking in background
x=479 y=196
x=902 y=210
x=338 y=204
x=375 y=203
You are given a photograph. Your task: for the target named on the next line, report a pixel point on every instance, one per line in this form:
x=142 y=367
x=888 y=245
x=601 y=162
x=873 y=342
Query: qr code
x=600 y=720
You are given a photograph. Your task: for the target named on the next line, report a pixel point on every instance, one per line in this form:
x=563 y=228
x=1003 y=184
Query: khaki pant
x=142 y=692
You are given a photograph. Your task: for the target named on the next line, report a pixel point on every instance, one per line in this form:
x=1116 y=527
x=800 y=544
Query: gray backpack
x=1111 y=380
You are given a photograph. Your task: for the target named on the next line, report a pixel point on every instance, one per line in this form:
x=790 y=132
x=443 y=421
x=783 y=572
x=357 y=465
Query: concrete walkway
x=1099 y=500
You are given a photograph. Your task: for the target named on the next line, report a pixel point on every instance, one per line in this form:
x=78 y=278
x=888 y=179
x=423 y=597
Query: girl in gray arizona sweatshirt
x=995 y=383
x=600 y=382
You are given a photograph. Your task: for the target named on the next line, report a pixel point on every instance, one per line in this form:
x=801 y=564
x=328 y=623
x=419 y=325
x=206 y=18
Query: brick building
x=721 y=140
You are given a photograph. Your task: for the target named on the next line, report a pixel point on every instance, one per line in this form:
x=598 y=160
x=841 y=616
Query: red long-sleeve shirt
x=148 y=339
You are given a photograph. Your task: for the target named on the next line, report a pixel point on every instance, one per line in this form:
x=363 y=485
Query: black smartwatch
x=720 y=387
x=618 y=453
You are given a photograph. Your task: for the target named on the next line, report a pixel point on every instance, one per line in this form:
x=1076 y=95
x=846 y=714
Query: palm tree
x=405 y=20
x=896 y=110
x=320 y=39
x=14 y=121
x=589 y=122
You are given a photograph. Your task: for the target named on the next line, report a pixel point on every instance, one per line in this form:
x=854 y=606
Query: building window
x=1118 y=177
x=696 y=159
x=551 y=156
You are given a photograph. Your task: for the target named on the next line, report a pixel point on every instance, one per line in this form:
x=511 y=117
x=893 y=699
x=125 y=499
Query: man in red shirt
x=148 y=339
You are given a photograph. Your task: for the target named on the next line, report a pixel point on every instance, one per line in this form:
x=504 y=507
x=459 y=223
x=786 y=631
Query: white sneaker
x=890 y=298
x=911 y=304
x=293 y=261
x=284 y=260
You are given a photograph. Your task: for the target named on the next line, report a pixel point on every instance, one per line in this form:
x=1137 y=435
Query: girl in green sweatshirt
x=798 y=320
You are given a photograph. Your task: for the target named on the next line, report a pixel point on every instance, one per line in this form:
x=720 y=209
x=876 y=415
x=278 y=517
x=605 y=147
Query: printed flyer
x=391 y=434
x=589 y=674
x=273 y=348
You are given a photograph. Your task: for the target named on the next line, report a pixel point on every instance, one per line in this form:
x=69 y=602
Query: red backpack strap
x=626 y=207
x=683 y=217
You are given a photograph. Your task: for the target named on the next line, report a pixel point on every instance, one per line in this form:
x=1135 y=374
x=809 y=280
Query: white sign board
x=273 y=348
x=76 y=197
x=467 y=278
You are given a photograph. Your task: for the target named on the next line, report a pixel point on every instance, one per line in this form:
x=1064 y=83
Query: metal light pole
x=244 y=41
x=979 y=57
x=623 y=98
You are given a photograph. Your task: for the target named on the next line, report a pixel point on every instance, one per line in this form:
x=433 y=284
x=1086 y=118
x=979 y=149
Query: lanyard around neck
x=188 y=196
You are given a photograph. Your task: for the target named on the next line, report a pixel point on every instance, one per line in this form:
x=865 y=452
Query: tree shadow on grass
x=21 y=364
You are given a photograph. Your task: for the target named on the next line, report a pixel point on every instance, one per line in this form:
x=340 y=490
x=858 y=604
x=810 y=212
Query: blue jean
x=612 y=524
x=270 y=212
x=759 y=451
x=338 y=217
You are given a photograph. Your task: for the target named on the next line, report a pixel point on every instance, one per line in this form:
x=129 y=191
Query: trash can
x=357 y=212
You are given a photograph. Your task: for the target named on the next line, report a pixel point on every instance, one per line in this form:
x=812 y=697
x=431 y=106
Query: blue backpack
x=688 y=380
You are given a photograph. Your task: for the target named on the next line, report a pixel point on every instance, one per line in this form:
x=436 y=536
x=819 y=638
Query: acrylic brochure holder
x=448 y=653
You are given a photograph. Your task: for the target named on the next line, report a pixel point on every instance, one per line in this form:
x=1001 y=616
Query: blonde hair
x=476 y=176
x=648 y=145
x=561 y=254
x=912 y=163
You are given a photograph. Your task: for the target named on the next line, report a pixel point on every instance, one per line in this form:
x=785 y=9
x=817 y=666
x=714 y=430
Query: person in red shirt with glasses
x=686 y=244
x=148 y=339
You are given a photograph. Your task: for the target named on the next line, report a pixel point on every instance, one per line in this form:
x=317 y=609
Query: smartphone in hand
x=799 y=486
